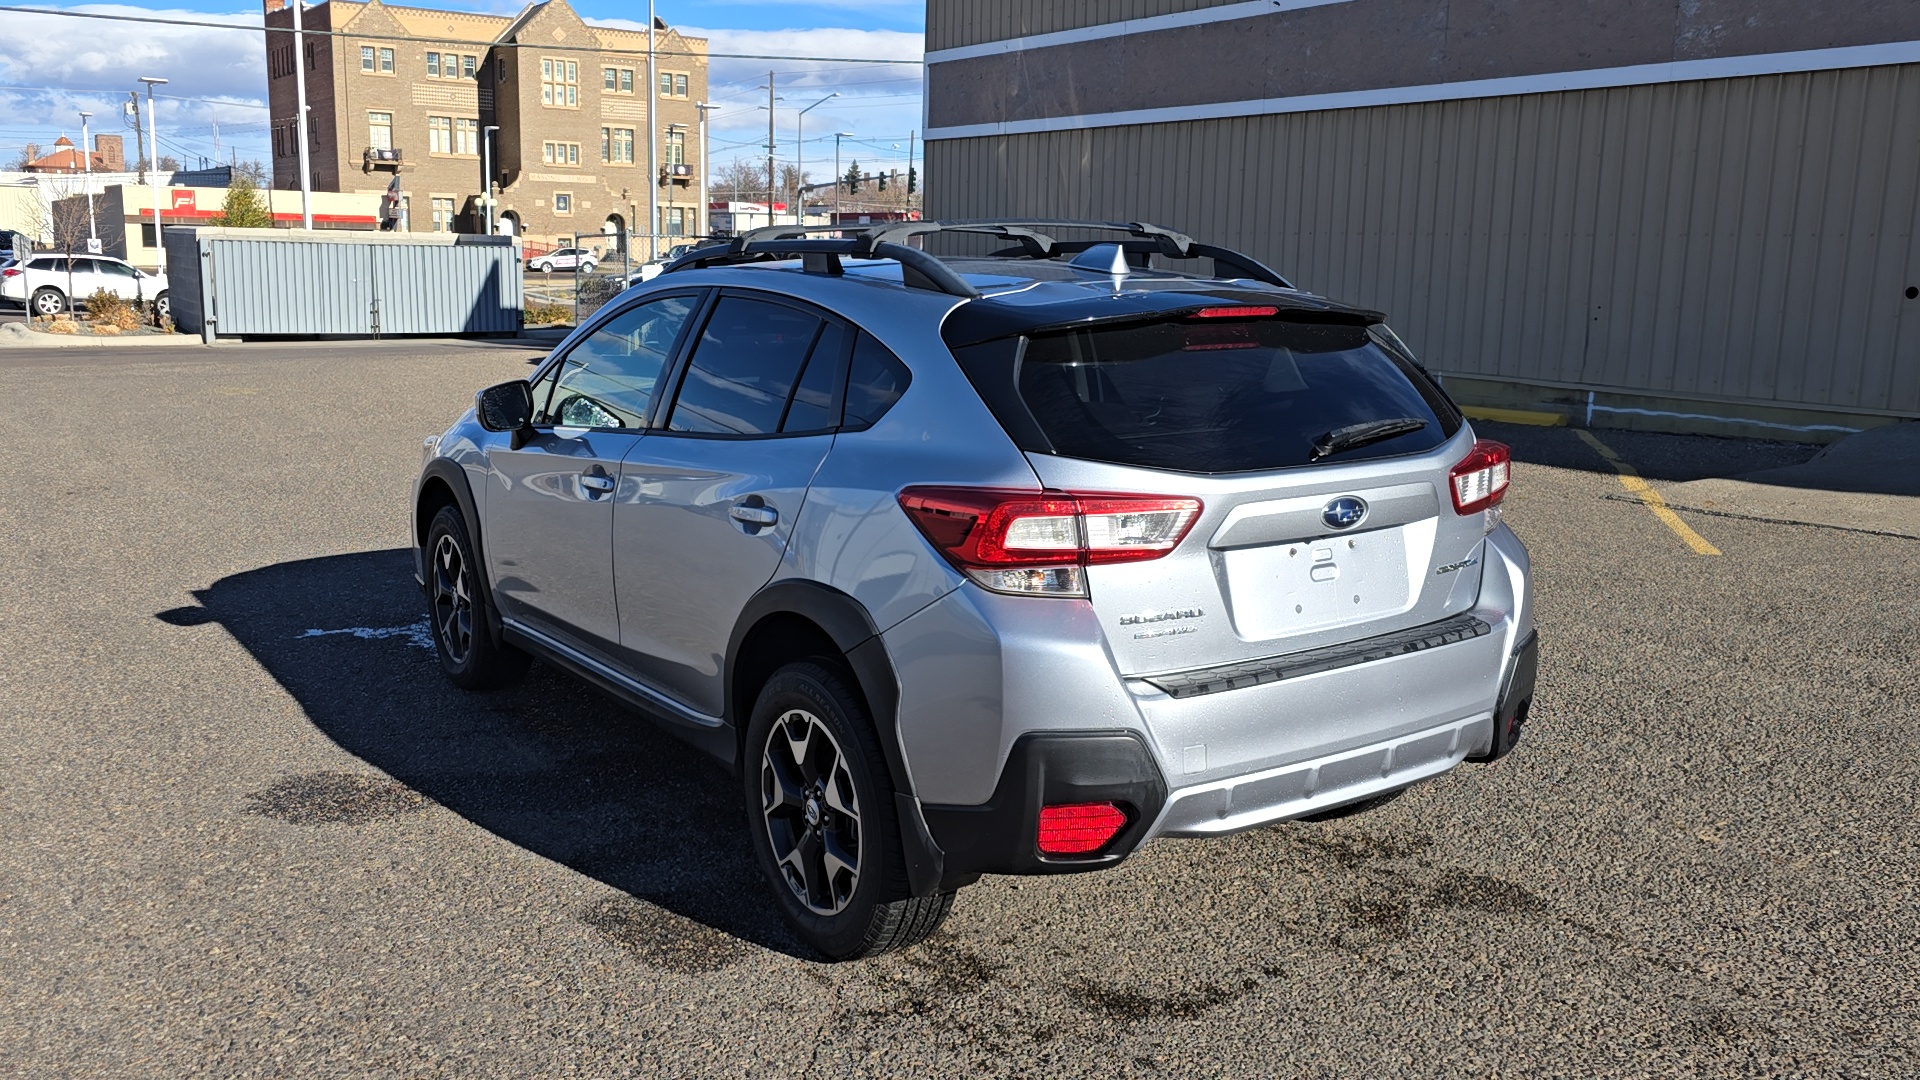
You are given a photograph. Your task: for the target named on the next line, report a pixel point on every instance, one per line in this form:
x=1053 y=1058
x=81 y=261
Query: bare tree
x=740 y=180
x=253 y=171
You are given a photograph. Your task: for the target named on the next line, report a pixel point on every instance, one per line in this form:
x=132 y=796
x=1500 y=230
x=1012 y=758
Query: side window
x=744 y=368
x=877 y=380
x=815 y=405
x=607 y=380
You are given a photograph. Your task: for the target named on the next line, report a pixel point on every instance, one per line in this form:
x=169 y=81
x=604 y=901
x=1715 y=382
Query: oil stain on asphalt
x=324 y=798
x=662 y=938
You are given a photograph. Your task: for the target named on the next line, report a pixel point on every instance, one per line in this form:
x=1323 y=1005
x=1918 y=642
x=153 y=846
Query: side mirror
x=506 y=407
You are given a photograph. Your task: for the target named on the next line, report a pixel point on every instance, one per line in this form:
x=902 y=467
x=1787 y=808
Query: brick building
x=108 y=155
x=411 y=91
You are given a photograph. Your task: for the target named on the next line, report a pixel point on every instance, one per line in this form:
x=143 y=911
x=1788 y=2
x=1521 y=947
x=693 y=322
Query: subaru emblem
x=1344 y=512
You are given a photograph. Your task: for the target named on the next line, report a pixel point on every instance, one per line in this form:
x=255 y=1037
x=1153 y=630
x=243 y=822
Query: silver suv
x=1003 y=562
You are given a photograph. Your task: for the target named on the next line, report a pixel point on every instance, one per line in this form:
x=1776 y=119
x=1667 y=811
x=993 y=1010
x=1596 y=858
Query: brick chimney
x=112 y=153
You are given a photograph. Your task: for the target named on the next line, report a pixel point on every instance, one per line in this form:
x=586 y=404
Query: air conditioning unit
x=378 y=156
x=680 y=172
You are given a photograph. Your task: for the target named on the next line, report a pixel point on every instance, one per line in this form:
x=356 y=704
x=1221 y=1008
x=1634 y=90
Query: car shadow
x=549 y=765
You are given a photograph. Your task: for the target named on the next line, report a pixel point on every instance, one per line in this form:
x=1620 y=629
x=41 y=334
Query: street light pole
x=86 y=148
x=706 y=164
x=653 y=137
x=800 y=160
x=299 y=122
x=153 y=173
x=486 y=166
x=837 y=136
x=672 y=184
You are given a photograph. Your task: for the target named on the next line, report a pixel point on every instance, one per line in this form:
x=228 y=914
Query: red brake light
x=1038 y=542
x=1079 y=828
x=1242 y=312
x=1480 y=479
x=10 y=272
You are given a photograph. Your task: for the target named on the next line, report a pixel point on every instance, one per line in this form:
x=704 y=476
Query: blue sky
x=52 y=67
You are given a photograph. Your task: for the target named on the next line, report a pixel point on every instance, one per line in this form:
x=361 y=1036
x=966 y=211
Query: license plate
x=1285 y=589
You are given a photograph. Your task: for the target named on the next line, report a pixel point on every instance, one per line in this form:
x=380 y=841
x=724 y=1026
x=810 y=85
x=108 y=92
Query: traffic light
x=853 y=178
x=913 y=180
x=883 y=181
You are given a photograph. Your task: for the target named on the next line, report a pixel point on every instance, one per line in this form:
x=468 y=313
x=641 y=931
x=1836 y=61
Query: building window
x=443 y=215
x=626 y=80
x=560 y=153
x=466 y=137
x=439 y=134
x=617 y=80
x=386 y=61
x=499 y=69
x=433 y=65
x=674 y=219
x=676 y=148
x=609 y=79
x=679 y=86
x=563 y=202
x=380 y=130
x=468 y=65
x=560 y=83
x=313 y=56
x=666 y=84
x=616 y=146
x=366 y=58
x=673 y=84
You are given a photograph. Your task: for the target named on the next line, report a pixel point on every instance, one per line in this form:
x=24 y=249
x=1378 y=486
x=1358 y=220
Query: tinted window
x=1220 y=396
x=815 y=405
x=606 y=381
x=876 y=381
x=744 y=368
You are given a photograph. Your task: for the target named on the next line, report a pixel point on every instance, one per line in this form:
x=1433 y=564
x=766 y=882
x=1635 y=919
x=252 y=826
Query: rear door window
x=744 y=368
x=1221 y=395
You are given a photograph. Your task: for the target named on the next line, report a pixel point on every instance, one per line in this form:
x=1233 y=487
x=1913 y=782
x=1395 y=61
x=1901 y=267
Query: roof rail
x=893 y=240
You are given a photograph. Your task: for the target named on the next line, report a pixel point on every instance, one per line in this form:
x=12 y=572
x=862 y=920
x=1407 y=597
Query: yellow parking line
x=1630 y=479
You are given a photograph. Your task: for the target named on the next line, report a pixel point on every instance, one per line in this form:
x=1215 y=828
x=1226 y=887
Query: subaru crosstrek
x=1003 y=562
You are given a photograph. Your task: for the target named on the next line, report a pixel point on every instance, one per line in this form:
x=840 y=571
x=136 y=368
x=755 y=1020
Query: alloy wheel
x=452 y=601
x=812 y=812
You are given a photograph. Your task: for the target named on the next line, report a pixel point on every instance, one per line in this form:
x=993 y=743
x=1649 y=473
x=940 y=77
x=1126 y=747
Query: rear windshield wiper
x=1357 y=435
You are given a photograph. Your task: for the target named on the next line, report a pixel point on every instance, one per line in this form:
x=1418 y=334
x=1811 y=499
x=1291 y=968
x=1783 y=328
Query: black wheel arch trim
x=449 y=472
x=852 y=629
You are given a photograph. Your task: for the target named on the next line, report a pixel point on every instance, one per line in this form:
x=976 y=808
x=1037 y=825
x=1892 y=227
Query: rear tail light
x=1079 y=828
x=1480 y=480
x=1039 y=543
x=10 y=272
x=1240 y=312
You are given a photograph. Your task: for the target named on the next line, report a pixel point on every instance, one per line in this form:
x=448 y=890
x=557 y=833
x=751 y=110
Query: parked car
x=580 y=260
x=647 y=271
x=51 y=284
x=990 y=565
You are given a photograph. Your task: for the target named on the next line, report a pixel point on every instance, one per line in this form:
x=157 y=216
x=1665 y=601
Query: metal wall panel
x=953 y=24
x=313 y=284
x=1748 y=239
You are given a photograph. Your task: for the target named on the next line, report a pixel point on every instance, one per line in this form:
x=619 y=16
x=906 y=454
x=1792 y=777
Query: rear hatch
x=1320 y=455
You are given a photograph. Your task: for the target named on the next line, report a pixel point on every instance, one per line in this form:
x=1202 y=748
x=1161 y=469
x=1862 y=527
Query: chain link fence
x=581 y=278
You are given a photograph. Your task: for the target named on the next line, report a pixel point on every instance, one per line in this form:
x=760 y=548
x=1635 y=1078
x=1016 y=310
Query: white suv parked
x=50 y=284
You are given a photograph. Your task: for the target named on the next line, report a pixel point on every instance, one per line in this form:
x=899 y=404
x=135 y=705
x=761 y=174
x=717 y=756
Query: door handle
x=762 y=516
x=596 y=482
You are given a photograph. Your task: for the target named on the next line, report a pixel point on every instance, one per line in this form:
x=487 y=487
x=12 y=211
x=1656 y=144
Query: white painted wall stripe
x=1725 y=67
x=1223 y=13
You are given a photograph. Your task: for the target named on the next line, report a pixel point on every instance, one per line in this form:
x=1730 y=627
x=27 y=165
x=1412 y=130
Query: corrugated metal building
x=1683 y=206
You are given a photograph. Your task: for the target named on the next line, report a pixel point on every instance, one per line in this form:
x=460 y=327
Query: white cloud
x=53 y=66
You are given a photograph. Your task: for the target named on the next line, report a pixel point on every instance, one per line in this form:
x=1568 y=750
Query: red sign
x=183 y=199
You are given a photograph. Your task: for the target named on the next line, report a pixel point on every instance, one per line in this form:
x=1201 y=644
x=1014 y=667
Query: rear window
x=1228 y=395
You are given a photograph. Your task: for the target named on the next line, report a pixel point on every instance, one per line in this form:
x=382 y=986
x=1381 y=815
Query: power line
x=170 y=97
x=600 y=51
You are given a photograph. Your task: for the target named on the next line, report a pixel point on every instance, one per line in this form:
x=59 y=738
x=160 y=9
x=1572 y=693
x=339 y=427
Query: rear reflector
x=1079 y=828
x=1038 y=542
x=1480 y=480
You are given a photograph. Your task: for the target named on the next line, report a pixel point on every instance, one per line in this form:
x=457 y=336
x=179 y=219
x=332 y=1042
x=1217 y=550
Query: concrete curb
x=16 y=335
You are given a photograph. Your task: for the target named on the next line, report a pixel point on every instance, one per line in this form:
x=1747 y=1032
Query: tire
x=820 y=812
x=162 y=307
x=545 y=267
x=457 y=606
x=48 y=301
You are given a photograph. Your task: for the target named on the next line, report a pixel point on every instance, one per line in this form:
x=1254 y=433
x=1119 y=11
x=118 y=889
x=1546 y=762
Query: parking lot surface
x=250 y=831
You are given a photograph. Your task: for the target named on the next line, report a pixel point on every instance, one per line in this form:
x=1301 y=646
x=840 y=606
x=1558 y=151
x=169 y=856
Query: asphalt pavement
x=250 y=831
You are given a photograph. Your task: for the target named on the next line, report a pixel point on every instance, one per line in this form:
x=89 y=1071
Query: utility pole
x=153 y=174
x=653 y=138
x=772 y=177
x=486 y=166
x=300 y=121
x=86 y=148
x=706 y=170
x=139 y=133
x=838 y=176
